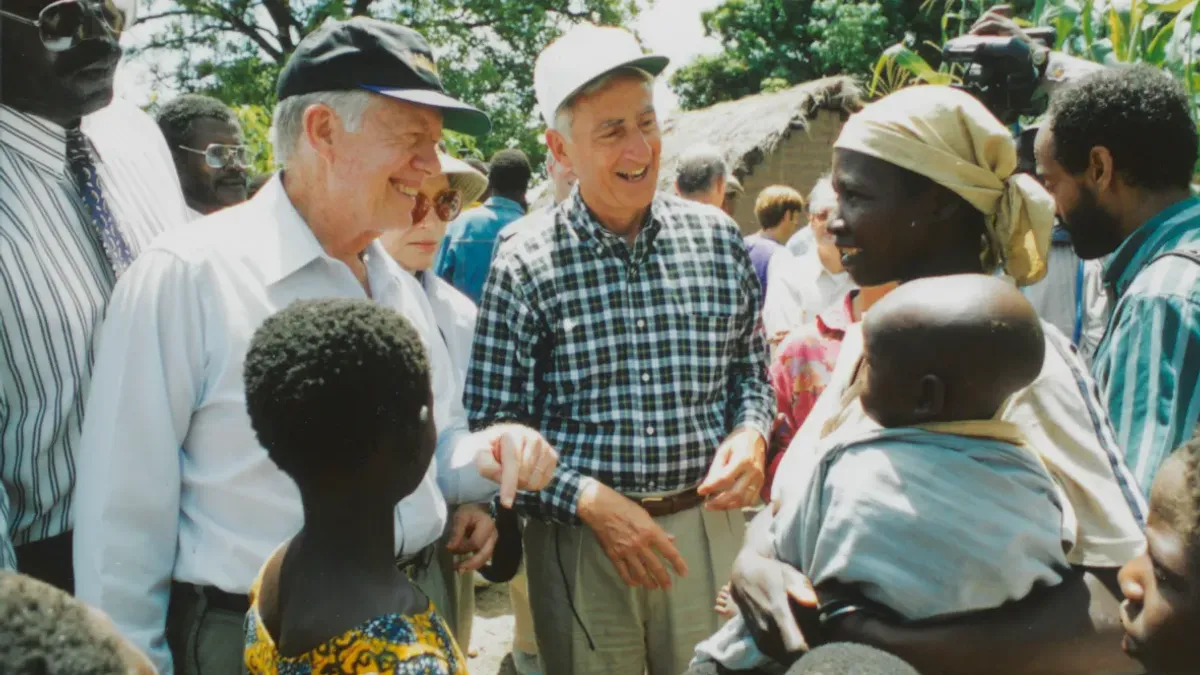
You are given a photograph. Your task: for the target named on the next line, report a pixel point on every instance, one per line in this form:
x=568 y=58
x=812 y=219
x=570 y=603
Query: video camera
x=1001 y=72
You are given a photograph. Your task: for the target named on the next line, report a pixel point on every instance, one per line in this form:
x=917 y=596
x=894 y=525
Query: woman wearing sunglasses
x=449 y=584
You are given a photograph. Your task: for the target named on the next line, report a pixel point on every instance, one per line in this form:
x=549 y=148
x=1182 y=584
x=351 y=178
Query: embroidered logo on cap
x=422 y=62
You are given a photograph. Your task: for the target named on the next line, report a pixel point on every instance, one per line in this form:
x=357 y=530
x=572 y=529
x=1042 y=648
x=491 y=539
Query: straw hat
x=464 y=178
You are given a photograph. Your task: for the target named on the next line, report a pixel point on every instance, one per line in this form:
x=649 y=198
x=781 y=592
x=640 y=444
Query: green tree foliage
x=792 y=41
x=233 y=49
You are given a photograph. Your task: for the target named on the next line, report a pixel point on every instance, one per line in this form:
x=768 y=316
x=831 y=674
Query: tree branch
x=281 y=14
x=164 y=15
x=360 y=7
x=252 y=32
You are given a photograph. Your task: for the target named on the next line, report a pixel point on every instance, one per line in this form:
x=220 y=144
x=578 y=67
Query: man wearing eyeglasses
x=205 y=138
x=85 y=184
x=179 y=505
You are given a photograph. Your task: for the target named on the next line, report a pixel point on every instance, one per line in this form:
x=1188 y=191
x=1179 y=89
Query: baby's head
x=45 y=630
x=948 y=348
x=338 y=392
x=1161 y=613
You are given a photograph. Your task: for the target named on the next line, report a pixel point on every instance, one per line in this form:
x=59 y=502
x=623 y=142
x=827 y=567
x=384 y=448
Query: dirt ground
x=492 y=634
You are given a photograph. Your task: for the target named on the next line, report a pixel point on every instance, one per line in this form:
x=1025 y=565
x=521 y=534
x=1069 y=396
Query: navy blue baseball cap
x=386 y=58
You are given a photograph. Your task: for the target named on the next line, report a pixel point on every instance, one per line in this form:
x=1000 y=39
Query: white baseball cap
x=581 y=55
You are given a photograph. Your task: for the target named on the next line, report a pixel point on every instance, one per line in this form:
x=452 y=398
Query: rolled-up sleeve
x=147 y=381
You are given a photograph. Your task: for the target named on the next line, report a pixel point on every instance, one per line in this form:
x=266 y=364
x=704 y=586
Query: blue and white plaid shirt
x=633 y=362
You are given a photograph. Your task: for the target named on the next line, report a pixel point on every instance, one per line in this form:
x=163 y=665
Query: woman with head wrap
x=926 y=188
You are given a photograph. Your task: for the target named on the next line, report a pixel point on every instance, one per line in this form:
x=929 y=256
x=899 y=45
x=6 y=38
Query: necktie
x=81 y=163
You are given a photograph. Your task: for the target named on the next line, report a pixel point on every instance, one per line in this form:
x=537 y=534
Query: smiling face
x=613 y=148
x=414 y=248
x=377 y=172
x=59 y=86
x=879 y=225
x=208 y=189
x=1161 y=612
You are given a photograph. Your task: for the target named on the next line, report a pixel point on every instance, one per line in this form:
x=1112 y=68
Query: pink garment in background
x=799 y=373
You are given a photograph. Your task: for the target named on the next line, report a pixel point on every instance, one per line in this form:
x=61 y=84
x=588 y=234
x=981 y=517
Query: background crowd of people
x=277 y=424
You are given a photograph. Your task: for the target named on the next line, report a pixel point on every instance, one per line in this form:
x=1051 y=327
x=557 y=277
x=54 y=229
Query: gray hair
x=566 y=112
x=823 y=197
x=699 y=170
x=287 y=125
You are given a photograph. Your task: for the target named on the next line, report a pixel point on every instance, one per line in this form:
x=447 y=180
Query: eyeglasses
x=447 y=204
x=219 y=156
x=64 y=24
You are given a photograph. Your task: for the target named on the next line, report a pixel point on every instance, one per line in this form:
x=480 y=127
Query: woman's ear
x=931 y=397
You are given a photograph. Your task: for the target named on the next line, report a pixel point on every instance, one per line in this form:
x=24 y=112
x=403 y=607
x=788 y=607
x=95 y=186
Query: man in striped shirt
x=1119 y=154
x=85 y=184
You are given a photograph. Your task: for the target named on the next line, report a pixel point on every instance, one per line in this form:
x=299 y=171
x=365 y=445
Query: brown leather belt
x=658 y=507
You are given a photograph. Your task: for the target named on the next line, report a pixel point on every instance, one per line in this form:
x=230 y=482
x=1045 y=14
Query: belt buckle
x=653 y=500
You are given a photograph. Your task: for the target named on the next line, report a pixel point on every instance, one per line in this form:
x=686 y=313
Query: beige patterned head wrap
x=949 y=137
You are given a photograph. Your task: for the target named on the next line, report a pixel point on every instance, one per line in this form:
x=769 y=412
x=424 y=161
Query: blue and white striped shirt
x=1148 y=363
x=55 y=282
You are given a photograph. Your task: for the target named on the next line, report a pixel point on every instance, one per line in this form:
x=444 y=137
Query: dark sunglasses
x=219 y=156
x=447 y=204
x=64 y=24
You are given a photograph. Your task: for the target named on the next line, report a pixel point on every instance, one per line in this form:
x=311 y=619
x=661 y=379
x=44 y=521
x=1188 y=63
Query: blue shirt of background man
x=1148 y=363
x=466 y=251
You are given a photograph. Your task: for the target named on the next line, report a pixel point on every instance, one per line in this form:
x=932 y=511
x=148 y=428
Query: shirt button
x=641 y=323
x=649 y=431
x=645 y=377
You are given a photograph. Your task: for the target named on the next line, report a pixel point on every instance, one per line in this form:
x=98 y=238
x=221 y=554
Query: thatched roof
x=748 y=130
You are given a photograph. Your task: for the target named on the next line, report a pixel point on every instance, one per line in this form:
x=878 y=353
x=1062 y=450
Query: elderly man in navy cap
x=179 y=505
x=624 y=324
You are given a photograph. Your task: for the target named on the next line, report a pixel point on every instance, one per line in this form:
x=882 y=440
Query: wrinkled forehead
x=402 y=117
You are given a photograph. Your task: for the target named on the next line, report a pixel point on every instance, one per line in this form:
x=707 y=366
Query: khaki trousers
x=205 y=640
x=524 y=639
x=452 y=594
x=632 y=631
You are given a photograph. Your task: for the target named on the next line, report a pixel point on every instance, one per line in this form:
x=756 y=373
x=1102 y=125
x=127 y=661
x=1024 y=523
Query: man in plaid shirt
x=623 y=324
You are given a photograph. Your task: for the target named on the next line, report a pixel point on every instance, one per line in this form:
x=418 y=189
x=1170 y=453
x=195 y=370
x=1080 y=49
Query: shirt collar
x=1146 y=242
x=37 y=139
x=289 y=242
x=498 y=202
x=594 y=234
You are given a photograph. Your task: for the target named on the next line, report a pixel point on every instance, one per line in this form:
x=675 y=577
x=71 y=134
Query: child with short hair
x=1161 y=612
x=44 y=630
x=338 y=392
x=942 y=509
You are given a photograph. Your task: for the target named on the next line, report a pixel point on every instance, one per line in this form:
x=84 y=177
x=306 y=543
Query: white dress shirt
x=799 y=288
x=802 y=242
x=456 y=316
x=55 y=281
x=174 y=484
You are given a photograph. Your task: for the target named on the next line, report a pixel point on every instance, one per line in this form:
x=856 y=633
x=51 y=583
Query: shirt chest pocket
x=703 y=340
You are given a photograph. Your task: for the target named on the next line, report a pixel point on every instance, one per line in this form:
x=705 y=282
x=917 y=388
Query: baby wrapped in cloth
x=938 y=511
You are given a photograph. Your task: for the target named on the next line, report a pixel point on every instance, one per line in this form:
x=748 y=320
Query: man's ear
x=557 y=144
x=321 y=123
x=931 y=397
x=1100 y=171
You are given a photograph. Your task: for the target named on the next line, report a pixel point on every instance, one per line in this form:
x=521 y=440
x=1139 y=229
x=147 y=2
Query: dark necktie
x=83 y=169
